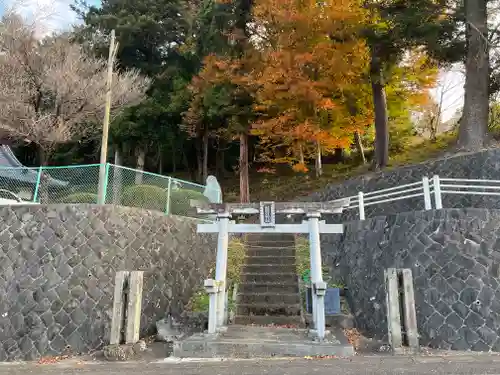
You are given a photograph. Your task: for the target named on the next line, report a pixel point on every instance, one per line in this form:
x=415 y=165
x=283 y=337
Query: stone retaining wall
x=454 y=255
x=57 y=269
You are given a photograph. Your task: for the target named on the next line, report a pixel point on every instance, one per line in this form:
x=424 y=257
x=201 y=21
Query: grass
x=286 y=185
x=236 y=253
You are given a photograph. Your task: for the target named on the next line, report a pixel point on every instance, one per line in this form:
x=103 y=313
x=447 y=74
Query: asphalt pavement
x=468 y=364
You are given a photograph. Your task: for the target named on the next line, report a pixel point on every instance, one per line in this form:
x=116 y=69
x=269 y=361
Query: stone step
x=284 y=277
x=270 y=259
x=269 y=268
x=261 y=342
x=260 y=298
x=270 y=251
x=270 y=237
x=268 y=309
x=273 y=287
x=266 y=320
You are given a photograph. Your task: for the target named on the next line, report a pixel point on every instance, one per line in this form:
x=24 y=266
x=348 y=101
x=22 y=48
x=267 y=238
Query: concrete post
x=134 y=307
x=212 y=289
x=437 y=192
x=320 y=291
x=410 y=317
x=221 y=265
x=393 y=312
x=118 y=318
x=427 y=193
x=318 y=305
x=361 y=204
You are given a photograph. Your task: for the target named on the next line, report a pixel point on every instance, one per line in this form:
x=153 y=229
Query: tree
x=473 y=129
x=310 y=60
x=52 y=92
x=394 y=27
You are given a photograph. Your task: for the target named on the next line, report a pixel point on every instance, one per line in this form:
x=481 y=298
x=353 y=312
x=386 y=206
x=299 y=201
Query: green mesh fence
x=122 y=186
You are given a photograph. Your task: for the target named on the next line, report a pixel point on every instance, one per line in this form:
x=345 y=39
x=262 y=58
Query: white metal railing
x=426 y=188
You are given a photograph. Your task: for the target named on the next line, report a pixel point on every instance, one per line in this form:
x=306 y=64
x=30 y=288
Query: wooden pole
x=105 y=124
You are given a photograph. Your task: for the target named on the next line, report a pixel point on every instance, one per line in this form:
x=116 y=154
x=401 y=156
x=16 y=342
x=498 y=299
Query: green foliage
x=199 y=302
x=149 y=197
x=79 y=198
x=302 y=259
x=180 y=201
x=153 y=197
x=236 y=253
x=303 y=263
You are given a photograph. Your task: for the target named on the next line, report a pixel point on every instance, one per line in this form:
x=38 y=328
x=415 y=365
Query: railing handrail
x=38 y=176
x=425 y=187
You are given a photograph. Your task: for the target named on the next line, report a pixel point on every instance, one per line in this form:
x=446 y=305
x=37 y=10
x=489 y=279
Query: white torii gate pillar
x=267 y=210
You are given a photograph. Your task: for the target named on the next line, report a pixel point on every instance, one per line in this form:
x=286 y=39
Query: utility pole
x=105 y=124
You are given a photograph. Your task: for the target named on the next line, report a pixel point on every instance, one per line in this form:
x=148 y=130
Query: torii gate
x=267 y=211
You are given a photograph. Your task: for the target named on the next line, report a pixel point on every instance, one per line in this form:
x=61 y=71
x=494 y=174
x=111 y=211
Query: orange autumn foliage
x=309 y=56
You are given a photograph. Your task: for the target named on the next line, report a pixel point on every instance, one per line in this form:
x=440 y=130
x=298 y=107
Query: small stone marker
x=133 y=324
x=117 y=320
x=400 y=298
x=393 y=311
x=127 y=304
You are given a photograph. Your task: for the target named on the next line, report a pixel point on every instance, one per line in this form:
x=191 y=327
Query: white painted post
x=211 y=288
x=427 y=193
x=318 y=300
x=437 y=192
x=361 y=203
x=221 y=264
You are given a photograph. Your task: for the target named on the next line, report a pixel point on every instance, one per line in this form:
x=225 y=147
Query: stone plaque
x=267 y=214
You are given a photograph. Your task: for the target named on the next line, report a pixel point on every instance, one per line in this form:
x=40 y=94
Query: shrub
x=149 y=197
x=180 y=201
x=79 y=198
x=236 y=253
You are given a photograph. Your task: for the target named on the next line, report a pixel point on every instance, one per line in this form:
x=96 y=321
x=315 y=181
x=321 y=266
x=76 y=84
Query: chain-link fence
x=120 y=186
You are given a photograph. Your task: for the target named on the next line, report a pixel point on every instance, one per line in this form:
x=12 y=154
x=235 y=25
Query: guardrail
x=431 y=191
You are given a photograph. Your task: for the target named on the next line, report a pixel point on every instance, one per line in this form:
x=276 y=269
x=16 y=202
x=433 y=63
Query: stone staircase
x=269 y=290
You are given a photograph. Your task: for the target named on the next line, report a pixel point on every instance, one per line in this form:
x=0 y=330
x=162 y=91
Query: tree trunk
x=244 y=180
x=141 y=159
x=472 y=134
x=359 y=146
x=318 y=163
x=174 y=157
x=220 y=161
x=117 y=177
x=301 y=154
x=381 y=155
x=205 y=157
x=338 y=155
x=199 y=160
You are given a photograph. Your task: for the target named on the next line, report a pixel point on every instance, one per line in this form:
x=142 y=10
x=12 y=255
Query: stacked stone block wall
x=454 y=255
x=57 y=269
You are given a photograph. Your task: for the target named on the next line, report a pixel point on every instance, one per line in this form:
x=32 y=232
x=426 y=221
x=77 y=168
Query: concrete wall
x=57 y=269
x=454 y=255
x=481 y=165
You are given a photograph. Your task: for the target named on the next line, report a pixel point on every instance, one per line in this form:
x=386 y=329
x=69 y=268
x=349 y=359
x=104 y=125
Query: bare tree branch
x=51 y=91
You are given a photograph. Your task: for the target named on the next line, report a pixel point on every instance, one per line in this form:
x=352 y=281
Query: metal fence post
x=169 y=189
x=37 y=186
x=437 y=192
x=361 y=204
x=427 y=193
x=105 y=184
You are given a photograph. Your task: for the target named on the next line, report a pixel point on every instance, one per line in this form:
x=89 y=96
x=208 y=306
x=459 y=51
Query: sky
x=53 y=15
